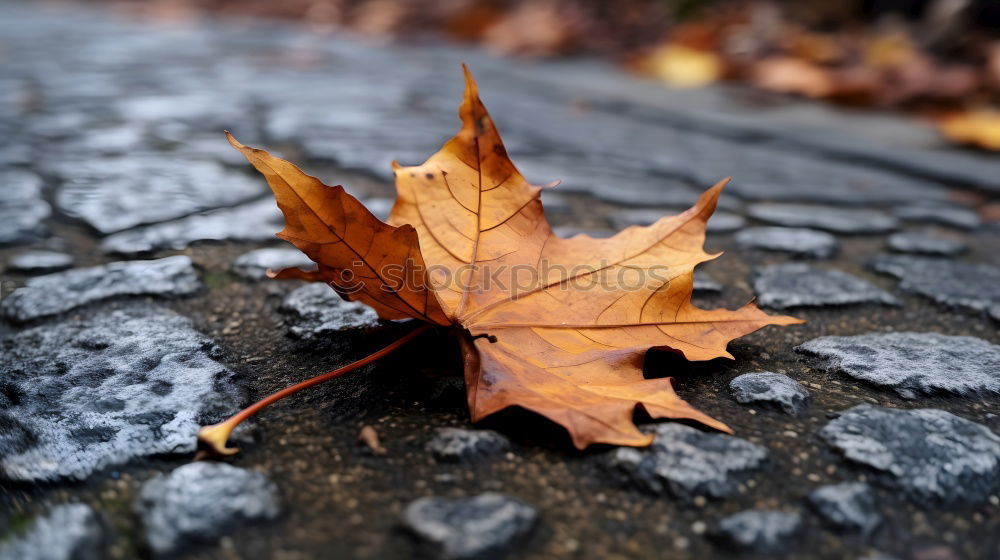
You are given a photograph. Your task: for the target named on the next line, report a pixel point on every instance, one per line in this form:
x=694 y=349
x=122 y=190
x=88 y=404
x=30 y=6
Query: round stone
x=770 y=389
x=796 y=241
x=800 y=285
x=849 y=506
x=934 y=457
x=913 y=363
x=486 y=525
x=202 y=501
x=685 y=462
x=761 y=531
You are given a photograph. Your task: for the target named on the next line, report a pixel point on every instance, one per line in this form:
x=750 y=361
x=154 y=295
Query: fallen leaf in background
x=684 y=67
x=792 y=75
x=535 y=29
x=569 y=340
x=975 y=128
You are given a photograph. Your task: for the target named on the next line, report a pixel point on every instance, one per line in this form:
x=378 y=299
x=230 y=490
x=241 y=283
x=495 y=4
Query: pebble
x=202 y=501
x=255 y=264
x=567 y=232
x=837 y=220
x=797 y=241
x=460 y=444
x=953 y=216
x=800 y=285
x=254 y=221
x=849 y=507
x=686 y=462
x=970 y=286
x=66 y=532
x=86 y=394
x=720 y=222
x=316 y=310
x=913 y=363
x=486 y=525
x=39 y=262
x=23 y=210
x=59 y=292
x=112 y=194
x=770 y=389
x=761 y=531
x=934 y=457
x=926 y=244
x=705 y=284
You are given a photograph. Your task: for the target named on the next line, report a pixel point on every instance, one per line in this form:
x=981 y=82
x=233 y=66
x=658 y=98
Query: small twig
x=369 y=437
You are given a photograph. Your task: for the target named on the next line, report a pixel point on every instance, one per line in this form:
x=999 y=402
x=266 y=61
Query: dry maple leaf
x=974 y=128
x=567 y=343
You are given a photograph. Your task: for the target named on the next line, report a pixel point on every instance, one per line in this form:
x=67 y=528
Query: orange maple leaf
x=556 y=326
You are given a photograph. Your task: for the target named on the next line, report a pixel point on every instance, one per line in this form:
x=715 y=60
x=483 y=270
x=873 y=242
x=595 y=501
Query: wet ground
x=110 y=92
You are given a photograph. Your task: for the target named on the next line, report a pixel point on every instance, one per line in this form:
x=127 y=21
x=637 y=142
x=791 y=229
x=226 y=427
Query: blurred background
x=938 y=60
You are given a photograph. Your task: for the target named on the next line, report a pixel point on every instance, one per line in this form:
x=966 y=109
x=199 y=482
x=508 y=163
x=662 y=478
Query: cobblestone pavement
x=135 y=309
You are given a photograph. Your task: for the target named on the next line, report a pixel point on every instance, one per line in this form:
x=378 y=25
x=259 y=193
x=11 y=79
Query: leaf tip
x=471 y=89
x=233 y=141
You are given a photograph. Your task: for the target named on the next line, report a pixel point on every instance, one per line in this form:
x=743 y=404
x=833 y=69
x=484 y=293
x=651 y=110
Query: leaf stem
x=212 y=439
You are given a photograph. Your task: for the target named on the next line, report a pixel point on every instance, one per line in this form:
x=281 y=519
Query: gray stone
x=961 y=218
x=970 y=286
x=926 y=244
x=797 y=241
x=255 y=264
x=96 y=392
x=114 y=194
x=720 y=222
x=611 y=182
x=913 y=363
x=685 y=462
x=23 y=211
x=555 y=202
x=34 y=262
x=849 y=506
x=770 y=389
x=202 y=501
x=725 y=222
x=838 y=220
x=761 y=531
x=705 y=284
x=800 y=285
x=484 y=526
x=770 y=174
x=460 y=444
x=567 y=232
x=316 y=310
x=66 y=532
x=62 y=291
x=255 y=221
x=933 y=456
x=637 y=217
x=911 y=156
